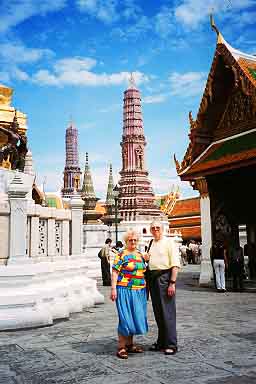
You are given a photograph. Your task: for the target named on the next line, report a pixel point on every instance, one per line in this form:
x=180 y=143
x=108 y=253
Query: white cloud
x=19 y=74
x=110 y=11
x=74 y=64
x=187 y=84
x=14 y=12
x=155 y=99
x=164 y=22
x=75 y=71
x=105 y=11
x=18 y=53
x=191 y=13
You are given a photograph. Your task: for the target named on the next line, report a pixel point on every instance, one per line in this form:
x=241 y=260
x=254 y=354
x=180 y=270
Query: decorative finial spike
x=132 y=81
x=177 y=164
x=213 y=25
x=86 y=158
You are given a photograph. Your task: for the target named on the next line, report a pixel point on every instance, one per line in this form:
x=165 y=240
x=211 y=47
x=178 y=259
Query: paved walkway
x=217 y=337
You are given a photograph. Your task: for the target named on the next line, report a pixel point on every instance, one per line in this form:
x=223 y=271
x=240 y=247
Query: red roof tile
x=186 y=207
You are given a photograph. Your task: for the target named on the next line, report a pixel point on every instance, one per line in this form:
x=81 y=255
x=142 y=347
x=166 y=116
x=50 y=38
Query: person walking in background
x=118 y=247
x=128 y=290
x=219 y=262
x=164 y=263
x=183 y=253
x=104 y=256
x=237 y=267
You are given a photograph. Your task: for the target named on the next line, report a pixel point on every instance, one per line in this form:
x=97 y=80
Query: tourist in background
x=128 y=290
x=164 y=262
x=250 y=251
x=118 y=247
x=104 y=256
x=237 y=267
x=219 y=262
x=183 y=253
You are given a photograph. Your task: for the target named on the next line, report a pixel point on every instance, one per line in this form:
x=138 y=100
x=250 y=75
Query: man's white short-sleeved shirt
x=164 y=254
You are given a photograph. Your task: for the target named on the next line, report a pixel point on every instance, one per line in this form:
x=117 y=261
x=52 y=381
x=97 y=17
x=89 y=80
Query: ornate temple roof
x=227 y=109
x=186 y=207
x=185 y=218
x=228 y=153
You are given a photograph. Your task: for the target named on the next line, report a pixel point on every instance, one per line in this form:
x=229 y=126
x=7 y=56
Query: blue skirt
x=132 y=311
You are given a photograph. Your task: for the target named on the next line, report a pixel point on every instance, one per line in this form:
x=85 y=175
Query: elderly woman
x=128 y=290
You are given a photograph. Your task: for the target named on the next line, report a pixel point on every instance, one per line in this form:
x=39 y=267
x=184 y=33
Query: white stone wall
x=4 y=231
x=45 y=275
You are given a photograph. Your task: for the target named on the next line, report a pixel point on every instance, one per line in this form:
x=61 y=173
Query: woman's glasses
x=132 y=240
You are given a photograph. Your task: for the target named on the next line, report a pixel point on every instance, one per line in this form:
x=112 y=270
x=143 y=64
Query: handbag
x=147 y=272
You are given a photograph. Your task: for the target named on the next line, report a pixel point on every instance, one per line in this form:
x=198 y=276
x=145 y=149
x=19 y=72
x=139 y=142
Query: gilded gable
x=239 y=115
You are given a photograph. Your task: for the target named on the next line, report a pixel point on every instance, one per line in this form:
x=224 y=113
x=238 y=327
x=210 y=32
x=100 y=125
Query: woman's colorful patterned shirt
x=131 y=267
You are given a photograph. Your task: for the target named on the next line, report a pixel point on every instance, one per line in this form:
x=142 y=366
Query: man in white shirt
x=164 y=263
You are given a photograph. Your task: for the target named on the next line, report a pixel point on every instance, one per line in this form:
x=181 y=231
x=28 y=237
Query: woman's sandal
x=134 y=348
x=170 y=351
x=122 y=353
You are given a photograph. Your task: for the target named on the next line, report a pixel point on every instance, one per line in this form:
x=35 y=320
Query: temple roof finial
x=86 y=158
x=213 y=25
x=132 y=83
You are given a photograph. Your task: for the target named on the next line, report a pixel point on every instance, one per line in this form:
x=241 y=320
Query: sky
x=71 y=59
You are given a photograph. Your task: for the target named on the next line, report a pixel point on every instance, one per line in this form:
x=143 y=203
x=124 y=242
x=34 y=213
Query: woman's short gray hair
x=130 y=232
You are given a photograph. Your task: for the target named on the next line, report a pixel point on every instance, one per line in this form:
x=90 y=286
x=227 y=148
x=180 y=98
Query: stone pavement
x=217 y=336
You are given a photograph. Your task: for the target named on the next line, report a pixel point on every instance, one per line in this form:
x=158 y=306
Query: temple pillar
x=76 y=205
x=34 y=242
x=65 y=239
x=51 y=240
x=206 y=232
x=18 y=222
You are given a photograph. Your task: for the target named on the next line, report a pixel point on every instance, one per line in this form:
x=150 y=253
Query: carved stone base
x=206 y=273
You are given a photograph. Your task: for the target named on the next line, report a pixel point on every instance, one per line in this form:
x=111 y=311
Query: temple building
x=72 y=172
x=185 y=219
x=183 y=215
x=136 y=199
x=220 y=161
x=13 y=139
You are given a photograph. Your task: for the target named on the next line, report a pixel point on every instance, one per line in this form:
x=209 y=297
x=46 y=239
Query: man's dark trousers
x=164 y=308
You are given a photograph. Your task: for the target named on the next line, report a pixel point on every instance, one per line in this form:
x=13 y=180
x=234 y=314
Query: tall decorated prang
x=72 y=172
x=136 y=199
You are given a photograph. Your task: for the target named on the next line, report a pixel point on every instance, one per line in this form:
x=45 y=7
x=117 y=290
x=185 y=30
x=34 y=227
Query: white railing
x=44 y=273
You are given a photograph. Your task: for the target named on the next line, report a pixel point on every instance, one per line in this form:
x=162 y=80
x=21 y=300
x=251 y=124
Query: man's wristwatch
x=172 y=281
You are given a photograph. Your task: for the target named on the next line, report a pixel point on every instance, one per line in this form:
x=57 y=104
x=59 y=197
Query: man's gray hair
x=156 y=223
x=130 y=232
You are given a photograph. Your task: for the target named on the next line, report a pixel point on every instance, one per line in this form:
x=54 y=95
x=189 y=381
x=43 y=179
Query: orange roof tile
x=186 y=207
x=189 y=233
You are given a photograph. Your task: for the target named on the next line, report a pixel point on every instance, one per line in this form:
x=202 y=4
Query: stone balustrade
x=43 y=271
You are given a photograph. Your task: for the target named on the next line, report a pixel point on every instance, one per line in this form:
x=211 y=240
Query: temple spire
x=87 y=189
x=72 y=170
x=110 y=197
x=136 y=197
